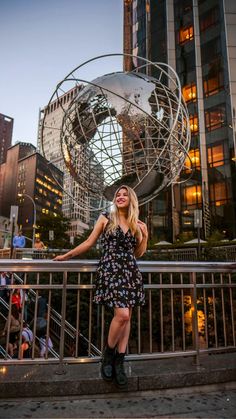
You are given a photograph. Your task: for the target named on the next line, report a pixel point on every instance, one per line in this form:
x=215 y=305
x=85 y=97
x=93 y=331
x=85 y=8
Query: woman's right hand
x=61 y=258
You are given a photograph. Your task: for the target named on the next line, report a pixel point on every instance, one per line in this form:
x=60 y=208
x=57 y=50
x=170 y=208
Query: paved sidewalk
x=205 y=402
x=85 y=379
x=161 y=388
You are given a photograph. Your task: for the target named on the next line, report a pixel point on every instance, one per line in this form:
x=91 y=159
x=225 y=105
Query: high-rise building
x=29 y=184
x=198 y=39
x=75 y=199
x=6 y=128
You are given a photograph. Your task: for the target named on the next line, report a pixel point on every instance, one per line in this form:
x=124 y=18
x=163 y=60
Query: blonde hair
x=133 y=211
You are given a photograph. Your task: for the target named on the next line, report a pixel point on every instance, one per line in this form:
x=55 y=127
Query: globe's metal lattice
x=125 y=128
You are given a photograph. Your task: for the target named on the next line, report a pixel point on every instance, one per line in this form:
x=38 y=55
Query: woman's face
x=122 y=199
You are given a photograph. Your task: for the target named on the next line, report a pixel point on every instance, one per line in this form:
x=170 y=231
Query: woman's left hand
x=143 y=229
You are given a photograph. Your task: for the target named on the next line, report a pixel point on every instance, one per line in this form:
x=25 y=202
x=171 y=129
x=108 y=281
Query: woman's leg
x=124 y=337
x=119 y=327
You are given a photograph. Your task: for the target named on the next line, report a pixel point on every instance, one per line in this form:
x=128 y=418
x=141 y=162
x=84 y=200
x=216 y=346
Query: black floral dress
x=118 y=282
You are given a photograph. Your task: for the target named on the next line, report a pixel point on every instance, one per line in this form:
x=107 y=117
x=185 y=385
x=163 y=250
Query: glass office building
x=198 y=39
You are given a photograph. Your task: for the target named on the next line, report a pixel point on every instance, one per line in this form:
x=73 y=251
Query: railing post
x=61 y=369
x=194 y=317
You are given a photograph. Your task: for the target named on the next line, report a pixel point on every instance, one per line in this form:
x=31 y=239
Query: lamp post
x=34 y=221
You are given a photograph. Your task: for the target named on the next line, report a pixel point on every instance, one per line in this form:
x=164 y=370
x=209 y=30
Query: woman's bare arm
x=87 y=244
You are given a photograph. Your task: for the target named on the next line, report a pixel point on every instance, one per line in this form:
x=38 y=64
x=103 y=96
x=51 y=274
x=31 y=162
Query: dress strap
x=106 y=214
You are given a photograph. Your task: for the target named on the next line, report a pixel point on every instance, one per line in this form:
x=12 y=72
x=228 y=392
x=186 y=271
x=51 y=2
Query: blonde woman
x=119 y=282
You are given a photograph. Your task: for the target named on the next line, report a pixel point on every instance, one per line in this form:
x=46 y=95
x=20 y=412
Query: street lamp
x=34 y=222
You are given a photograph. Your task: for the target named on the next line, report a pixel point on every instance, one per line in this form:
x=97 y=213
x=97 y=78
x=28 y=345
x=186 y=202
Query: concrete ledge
x=85 y=379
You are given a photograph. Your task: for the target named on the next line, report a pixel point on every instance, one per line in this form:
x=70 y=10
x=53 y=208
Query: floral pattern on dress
x=118 y=282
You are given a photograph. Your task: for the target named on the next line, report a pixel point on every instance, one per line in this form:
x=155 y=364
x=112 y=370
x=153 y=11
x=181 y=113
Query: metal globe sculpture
x=125 y=128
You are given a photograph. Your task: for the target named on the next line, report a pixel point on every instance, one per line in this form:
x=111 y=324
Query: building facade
x=198 y=39
x=6 y=128
x=75 y=199
x=29 y=184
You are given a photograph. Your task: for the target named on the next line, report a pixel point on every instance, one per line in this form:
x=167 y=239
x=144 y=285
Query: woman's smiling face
x=122 y=198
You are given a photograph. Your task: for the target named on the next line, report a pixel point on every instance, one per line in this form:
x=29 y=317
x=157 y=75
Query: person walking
x=119 y=282
x=19 y=240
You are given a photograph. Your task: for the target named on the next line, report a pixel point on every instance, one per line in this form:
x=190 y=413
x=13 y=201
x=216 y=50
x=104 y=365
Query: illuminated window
x=189 y=92
x=195 y=160
x=218 y=193
x=214 y=84
x=192 y=195
x=216 y=156
x=215 y=117
x=193 y=120
x=186 y=34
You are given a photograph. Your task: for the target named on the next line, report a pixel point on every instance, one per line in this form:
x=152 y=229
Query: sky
x=44 y=40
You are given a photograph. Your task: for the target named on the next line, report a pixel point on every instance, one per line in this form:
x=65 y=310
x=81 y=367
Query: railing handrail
x=89 y=265
x=168 y=336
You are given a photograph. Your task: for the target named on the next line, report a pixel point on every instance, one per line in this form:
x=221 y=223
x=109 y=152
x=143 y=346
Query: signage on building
x=14 y=213
x=51 y=235
x=197 y=218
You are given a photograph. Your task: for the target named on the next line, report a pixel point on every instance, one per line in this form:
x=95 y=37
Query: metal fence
x=190 y=309
x=212 y=253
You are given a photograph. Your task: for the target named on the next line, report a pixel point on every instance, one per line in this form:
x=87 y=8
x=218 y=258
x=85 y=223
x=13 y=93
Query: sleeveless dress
x=118 y=281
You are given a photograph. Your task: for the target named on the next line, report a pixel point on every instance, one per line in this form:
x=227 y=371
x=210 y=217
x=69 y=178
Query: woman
x=14 y=329
x=119 y=281
x=16 y=298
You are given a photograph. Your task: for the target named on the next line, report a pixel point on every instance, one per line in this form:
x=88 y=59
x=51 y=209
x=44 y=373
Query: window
x=186 y=62
x=218 y=193
x=186 y=34
x=193 y=120
x=195 y=160
x=216 y=155
x=192 y=195
x=213 y=84
x=208 y=19
x=210 y=51
x=190 y=92
x=215 y=117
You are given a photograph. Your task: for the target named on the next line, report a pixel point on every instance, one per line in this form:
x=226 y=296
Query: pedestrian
x=4 y=281
x=16 y=299
x=119 y=282
x=19 y=240
x=14 y=330
x=38 y=244
x=27 y=341
x=45 y=344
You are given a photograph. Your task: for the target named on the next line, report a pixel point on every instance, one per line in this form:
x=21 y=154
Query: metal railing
x=213 y=253
x=190 y=308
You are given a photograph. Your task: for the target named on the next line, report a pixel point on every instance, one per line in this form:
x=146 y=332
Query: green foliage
x=215 y=237
x=60 y=225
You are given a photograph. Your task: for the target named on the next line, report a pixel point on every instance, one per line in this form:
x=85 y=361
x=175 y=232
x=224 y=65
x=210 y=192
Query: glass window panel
x=210 y=50
x=193 y=120
x=214 y=84
x=186 y=34
x=192 y=194
x=208 y=19
x=215 y=117
x=195 y=159
x=216 y=155
x=218 y=193
x=190 y=92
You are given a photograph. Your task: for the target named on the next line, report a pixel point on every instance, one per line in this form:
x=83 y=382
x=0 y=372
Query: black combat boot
x=119 y=371
x=107 y=363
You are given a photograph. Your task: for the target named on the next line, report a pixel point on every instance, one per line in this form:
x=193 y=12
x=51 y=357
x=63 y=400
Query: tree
x=59 y=225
